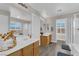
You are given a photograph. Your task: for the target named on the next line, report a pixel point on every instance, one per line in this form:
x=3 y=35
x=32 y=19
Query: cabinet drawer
x=44 y=41
x=27 y=52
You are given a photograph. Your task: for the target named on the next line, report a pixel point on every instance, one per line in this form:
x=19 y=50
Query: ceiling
x=55 y=9
x=4 y=6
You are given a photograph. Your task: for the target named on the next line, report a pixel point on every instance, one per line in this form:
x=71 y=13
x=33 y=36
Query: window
x=15 y=25
x=60 y=25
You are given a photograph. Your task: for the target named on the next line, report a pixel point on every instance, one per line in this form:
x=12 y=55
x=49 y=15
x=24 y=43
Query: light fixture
x=44 y=14
x=59 y=12
x=23 y=5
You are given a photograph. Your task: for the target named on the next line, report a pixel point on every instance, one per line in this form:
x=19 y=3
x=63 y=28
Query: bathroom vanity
x=24 y=47
x=45 y=39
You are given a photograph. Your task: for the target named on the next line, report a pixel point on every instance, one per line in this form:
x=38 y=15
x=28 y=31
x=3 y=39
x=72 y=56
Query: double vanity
x=24 y=47
x=28 y=46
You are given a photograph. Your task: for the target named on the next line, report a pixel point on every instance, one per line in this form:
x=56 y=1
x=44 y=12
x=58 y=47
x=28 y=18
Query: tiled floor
x=52 y=49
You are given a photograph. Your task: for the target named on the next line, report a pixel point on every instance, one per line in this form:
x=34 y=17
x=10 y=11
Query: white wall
x=17 y=13
x=35 y=26
x=43 y=26
x=54 y=30
x=4 y=21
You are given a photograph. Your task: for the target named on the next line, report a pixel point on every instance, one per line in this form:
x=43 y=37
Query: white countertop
x=46 y=34
x=21 y=43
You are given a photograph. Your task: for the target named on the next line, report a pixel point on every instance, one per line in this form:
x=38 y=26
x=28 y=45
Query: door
x=61 y=29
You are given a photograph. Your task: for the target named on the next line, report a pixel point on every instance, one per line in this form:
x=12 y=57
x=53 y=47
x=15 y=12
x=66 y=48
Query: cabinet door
x=28 y=50
x=17 y=53
x=44 y=40
x=50 y=38
x=36 y=44
x=36 y=49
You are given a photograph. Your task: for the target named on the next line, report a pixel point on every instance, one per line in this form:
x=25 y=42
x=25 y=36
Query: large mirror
x=21 y=27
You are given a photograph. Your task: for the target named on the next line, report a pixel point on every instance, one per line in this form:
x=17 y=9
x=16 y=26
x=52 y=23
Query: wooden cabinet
x=36 y=49
x=17 y=53
x=45 y=40
x=50 y=38
x=28 y=50
x=31 y=50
